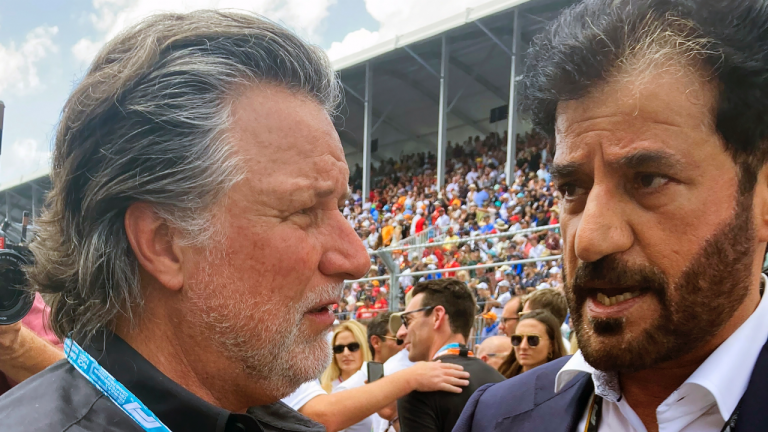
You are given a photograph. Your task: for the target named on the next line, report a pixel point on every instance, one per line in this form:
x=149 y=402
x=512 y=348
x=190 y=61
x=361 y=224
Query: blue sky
x=46 y=46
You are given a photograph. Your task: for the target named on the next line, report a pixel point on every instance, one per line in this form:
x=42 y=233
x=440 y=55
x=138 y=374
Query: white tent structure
x=435 y=84
x=438 y=83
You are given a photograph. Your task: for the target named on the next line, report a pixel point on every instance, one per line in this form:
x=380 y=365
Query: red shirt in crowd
x=381 y=304
x=420 y=225
x=452 y=264
x=365 y=313
x=438 y=254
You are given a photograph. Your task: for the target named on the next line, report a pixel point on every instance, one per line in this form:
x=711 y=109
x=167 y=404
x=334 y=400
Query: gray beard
x=269 y=340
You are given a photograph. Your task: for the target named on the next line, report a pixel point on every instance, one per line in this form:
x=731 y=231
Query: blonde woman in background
x=350 y=351
x=397 y=235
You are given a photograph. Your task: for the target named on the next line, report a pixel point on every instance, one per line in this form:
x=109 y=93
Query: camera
x=15 y=299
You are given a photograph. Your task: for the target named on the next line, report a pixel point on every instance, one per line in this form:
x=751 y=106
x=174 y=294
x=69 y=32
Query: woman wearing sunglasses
x=537 y=340
x=350 y=350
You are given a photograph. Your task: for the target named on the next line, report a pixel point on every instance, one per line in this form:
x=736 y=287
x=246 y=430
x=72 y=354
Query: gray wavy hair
x=148 y=123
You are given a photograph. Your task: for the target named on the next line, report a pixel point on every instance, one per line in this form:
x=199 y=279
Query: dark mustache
x=612 y=272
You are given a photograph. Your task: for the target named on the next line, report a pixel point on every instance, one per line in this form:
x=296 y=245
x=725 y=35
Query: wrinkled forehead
x=653 y=104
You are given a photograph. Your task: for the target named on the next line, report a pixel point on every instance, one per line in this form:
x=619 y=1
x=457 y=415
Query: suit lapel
x=753 y=412
x=552 y=412
x=579 y=404
x=562 y=411
x=572 y=402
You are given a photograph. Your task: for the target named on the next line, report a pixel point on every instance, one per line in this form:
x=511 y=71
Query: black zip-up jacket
x=60 y=399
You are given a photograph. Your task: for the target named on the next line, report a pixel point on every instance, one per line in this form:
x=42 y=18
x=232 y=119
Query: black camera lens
x=15 y=300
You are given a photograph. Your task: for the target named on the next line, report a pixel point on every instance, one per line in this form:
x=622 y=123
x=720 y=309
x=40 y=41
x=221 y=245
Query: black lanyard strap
x=596 y=412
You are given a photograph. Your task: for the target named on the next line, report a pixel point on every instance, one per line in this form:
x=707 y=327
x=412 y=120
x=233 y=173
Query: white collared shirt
x=703 y=403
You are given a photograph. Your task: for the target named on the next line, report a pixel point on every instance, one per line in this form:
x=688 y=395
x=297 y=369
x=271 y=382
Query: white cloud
x=23 y=157
x=18 y=65
x=397 y=17
x=353 y=42
x=85 y=49
x=112 y=16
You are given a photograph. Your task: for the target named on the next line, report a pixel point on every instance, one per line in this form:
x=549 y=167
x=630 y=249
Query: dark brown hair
x=455 y=297
x=511 y=367
x=379 y=326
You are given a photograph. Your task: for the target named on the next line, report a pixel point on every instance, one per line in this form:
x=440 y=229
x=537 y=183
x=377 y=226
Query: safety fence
x=420 y=240
x=476 y=334
x=395 y=274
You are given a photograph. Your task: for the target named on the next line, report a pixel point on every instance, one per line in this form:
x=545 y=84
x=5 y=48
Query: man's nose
x=402 y=332
x=345 y=255
x=602 y=229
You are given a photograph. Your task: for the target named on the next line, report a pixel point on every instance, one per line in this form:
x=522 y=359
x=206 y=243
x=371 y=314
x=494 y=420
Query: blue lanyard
x=102 y=380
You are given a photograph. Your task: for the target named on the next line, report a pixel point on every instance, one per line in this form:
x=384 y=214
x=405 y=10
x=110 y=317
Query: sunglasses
x=404 y=315
x=397 y=341
x=504 y=320
x=533 y=340
x=353 y=347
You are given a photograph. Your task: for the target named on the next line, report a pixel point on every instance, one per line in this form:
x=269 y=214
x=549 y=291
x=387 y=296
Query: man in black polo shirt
x=436 y=325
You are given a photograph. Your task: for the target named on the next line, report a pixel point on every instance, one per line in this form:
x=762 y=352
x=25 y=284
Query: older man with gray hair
x=192 y=243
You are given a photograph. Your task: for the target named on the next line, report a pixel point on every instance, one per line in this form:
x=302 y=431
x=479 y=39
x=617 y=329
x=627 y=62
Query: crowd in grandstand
x=477 y=200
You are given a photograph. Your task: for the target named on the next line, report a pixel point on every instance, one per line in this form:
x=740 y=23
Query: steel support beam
x=442 y=123
x=494 y=38
x=478 y=77
x=394 y=280
x=413 y=136
x=477 y=125
x=367 y=120
x=421 y=61
x=382 y=118
x=352 y=92
x=34 y=202
x=456 y=99
x=509 y=169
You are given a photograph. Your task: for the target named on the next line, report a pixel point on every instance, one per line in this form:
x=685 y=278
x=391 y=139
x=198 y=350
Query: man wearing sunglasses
x=510 y=316
x=381 y=340
x=436 y=326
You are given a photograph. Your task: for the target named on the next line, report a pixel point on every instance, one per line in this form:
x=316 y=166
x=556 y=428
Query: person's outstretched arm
x=340 y=410
x=23 y=353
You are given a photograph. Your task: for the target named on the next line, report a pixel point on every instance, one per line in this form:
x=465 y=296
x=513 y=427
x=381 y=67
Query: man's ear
x=375 y=342
x=155 y=245
x=760 y=205
x=439 y=316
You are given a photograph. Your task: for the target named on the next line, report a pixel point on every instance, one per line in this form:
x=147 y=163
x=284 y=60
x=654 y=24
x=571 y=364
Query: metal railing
x=394 y=269
x=467 y=239
x=420 y=240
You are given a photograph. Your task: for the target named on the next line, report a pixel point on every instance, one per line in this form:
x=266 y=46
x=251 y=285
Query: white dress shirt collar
x=723 y=376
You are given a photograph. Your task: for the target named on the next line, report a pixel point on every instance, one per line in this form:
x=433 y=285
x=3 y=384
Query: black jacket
x=528 y=402
x=60 y=399
x=439 y=411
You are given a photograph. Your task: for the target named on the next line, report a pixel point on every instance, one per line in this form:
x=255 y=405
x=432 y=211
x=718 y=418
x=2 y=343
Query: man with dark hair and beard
x=658 y=111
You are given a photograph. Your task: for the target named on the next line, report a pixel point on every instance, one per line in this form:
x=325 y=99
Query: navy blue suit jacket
x=528 y=402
